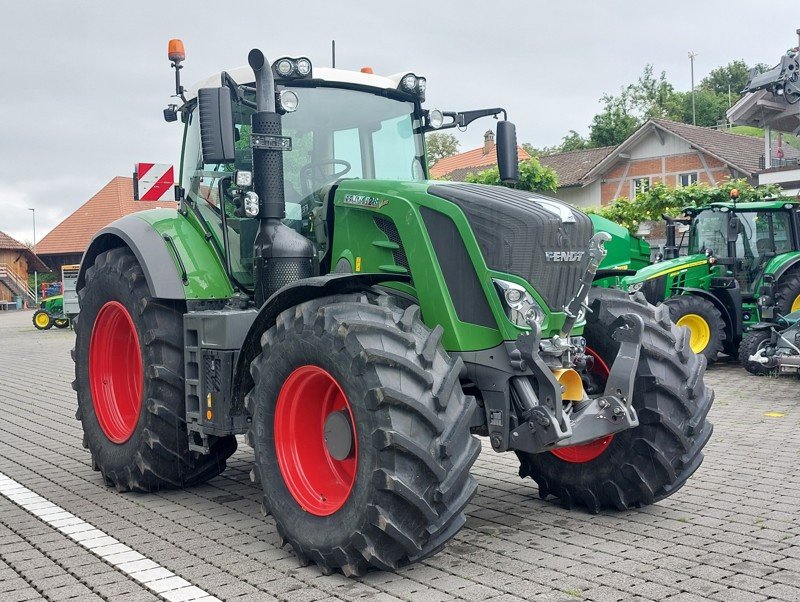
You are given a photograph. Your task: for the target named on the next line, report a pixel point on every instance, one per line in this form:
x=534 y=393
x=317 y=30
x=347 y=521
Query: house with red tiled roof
x=674 y=153
x=65 y=244
x=456 y=167
x=16 y=262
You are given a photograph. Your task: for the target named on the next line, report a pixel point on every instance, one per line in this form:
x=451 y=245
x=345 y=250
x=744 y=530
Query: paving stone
x=732 y=533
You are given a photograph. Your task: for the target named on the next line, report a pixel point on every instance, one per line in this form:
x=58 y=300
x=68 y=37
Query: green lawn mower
x=50 y=313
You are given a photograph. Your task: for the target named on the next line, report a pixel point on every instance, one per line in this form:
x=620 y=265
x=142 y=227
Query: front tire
x=397 y=492
x=42 y=320
x=129 y=380
x=704 y=322
x=61 y=323
x=751 y=342
x=652 y=461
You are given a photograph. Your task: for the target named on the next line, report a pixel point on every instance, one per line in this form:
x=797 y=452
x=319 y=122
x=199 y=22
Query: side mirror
x=507 y=156
x=733 y=228
x=216 y=125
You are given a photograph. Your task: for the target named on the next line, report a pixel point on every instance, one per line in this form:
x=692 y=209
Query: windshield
x=336 y=133
x=709 y=231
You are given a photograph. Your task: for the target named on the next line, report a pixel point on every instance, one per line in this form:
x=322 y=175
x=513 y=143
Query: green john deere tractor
x=742 y=267
x=50 y=313
x=359 y=324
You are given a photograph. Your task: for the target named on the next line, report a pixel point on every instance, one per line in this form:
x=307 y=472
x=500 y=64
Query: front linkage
x=543 y=422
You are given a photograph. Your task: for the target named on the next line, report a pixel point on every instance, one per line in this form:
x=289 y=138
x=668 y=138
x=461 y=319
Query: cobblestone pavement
x=732 y=533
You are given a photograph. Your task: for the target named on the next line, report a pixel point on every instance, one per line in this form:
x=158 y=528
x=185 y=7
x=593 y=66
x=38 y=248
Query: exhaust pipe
x=281 y=255
x=267 y=162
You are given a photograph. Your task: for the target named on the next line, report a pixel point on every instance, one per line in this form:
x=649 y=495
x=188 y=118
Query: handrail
x=6 y=272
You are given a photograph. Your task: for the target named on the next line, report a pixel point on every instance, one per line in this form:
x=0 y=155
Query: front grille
x=390 y=230
x=516 y=229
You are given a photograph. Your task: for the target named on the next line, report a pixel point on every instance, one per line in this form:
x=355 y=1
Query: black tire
x=652 y=461
x=683 y=305
x=156 y=456
x=61 y=323
x=752 y=342
x=788 y=293
x=41 y=312
x=411 y=418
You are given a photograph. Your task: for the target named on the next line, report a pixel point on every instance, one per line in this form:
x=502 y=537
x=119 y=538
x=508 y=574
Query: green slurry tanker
x=360 y=325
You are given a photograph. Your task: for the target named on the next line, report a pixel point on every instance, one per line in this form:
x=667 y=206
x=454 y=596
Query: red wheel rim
x=318 y=482
x=116 y=378
x=586 y=452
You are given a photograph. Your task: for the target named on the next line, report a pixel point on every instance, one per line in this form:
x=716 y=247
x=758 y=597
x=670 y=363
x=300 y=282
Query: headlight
x=435 y=118
x=409 y=82
x=286 y=67
x=413 y=84
x=251 y=206
x=243 y=178
x=521 y=308
x=288 y=101
x=303 y=66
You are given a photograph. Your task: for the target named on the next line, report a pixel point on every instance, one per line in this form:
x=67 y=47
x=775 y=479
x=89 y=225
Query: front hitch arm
x=592 y=419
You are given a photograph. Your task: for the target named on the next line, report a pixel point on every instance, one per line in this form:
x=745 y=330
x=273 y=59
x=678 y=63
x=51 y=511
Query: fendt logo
x=564 y=256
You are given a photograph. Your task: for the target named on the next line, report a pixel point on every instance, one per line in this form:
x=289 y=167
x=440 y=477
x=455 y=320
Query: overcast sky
x=83 y=83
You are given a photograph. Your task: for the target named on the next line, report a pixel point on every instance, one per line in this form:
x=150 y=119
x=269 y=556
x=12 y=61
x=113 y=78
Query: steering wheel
x=312 y=173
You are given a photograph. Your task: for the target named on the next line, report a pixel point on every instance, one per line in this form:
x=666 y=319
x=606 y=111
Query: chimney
x=488 y=142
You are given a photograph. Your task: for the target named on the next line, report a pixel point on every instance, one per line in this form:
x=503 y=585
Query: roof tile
x=113 y=201
x=571 y=167
x=470 y=160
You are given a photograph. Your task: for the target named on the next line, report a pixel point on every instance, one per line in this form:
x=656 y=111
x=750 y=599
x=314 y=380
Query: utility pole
x=35 y=273
x=691 y=61
x=333 y=54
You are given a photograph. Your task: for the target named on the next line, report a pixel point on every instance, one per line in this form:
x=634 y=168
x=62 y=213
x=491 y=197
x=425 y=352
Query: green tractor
x=50 y=313
x=360 y=324
x=742 y=267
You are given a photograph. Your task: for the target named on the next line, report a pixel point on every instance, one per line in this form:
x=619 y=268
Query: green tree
x=440 y=145
x=710 y=107
x=614 y=123
x=532 y=176
x=734 y=73
x=573 y=141
x=650 y=96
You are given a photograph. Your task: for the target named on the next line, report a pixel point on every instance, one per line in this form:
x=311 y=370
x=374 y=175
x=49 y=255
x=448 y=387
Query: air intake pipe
x=281 y=255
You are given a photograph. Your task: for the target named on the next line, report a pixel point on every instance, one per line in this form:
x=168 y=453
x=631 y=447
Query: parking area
x=732 y=533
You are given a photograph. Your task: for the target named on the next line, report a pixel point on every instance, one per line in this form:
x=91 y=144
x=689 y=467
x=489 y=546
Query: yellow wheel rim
x=796 y=303
x=699 y=331
x=42 y=320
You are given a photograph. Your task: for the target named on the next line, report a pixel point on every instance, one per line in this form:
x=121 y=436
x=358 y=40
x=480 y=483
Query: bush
x=660 y=200
x=532 y=176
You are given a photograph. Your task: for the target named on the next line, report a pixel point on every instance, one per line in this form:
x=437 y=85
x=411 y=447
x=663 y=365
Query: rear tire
x=704 y=322
x=788 y=294
x=151 y=451
x=42 y=320
x=752 y=342
x=413 y=451
x=652 y=461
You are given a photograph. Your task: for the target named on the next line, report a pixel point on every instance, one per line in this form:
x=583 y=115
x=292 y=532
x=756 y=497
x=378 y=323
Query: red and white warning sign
x=153 y=182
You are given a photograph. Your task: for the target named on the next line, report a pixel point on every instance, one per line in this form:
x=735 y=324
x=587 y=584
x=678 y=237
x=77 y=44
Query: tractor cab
x=336 y=124
x=744 y=238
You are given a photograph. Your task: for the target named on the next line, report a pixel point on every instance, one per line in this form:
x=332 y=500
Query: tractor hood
x=538 y=238
x=663 y=268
